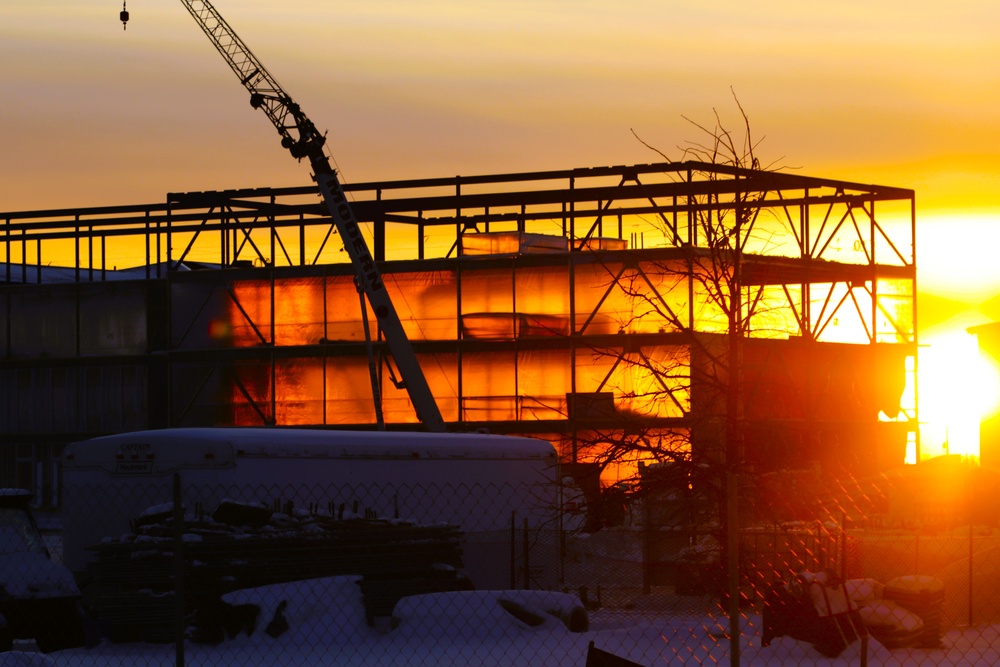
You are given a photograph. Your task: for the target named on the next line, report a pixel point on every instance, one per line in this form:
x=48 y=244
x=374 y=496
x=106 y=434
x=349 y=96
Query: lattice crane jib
x=301 y=138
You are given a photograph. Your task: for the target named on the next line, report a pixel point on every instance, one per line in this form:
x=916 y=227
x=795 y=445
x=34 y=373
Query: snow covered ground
x=326 y=627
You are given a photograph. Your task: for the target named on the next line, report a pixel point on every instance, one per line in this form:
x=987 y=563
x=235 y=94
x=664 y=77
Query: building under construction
x=624 y=313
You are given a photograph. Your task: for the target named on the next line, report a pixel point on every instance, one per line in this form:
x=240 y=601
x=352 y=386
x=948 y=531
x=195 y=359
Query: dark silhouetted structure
x=543 y=303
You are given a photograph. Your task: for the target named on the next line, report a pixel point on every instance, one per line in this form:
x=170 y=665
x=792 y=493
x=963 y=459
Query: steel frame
x=825 y=247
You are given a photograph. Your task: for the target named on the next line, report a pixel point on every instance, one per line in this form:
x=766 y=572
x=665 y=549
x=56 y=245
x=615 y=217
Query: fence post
x=178 y=572
x=562 y=545
x=733 y=566
x=843 y=546
x=647 y=585
x=527 y=554
x=972 y=545
x=971 y=550
x=513 y=550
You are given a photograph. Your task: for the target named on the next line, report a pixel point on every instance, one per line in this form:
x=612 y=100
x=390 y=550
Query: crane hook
x=124 y=16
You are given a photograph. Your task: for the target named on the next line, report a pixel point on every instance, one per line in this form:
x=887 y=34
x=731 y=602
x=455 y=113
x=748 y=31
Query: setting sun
x=958 y=387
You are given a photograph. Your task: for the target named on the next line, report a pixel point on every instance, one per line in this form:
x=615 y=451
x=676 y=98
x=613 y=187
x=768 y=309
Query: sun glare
x=958 y=387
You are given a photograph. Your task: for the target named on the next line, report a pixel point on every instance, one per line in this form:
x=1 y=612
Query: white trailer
x=485 y=484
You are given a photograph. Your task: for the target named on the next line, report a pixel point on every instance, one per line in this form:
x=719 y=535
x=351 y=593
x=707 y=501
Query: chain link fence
x=456 y=574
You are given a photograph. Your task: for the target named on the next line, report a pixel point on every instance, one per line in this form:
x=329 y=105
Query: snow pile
x=487 y=615
x=329 y=610
x=863 y=591
x=887 y=615
x=332 y=611
x=788 y=651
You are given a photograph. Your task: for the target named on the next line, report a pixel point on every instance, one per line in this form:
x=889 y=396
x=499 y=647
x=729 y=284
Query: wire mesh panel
x=446 y=574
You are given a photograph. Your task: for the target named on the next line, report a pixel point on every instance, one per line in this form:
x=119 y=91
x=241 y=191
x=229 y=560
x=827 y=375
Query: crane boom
x=303 y=140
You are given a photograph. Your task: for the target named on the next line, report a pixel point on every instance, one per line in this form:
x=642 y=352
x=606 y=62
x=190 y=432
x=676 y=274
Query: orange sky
x=892 y=92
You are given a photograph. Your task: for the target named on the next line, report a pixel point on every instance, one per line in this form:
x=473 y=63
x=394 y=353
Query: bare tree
x=700 y=295
x=684 y=392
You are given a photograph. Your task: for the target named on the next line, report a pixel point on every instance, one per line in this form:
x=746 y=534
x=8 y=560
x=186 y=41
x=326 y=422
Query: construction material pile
x=133 y=578
x=830 y=613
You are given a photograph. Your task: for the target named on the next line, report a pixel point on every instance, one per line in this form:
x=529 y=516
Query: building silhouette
x=591 y=307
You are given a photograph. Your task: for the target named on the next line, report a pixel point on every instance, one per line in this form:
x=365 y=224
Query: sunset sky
x=892 y=92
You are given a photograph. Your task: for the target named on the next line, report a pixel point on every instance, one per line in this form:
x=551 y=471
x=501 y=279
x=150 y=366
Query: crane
x=301 y=138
